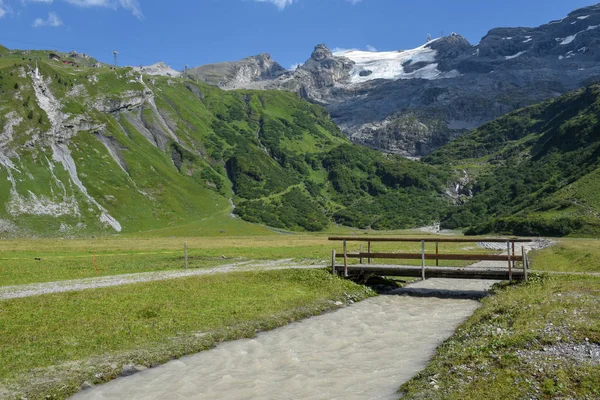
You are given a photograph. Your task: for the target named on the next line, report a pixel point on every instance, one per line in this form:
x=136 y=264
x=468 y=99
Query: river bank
x=536 y=340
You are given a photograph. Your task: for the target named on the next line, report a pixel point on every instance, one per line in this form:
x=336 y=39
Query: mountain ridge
x=455 y=88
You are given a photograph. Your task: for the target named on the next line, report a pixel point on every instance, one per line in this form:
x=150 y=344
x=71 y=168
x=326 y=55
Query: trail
x=37 y=289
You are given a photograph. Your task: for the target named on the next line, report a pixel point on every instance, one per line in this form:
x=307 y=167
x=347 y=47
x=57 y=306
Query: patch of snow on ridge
x=519 y=54
x=583 y=17
x=527 y=39
x=570 y=39
x=389 y=64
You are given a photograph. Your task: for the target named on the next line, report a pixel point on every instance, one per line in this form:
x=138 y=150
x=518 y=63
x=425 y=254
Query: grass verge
x=568 y=255
x=539 y=340
x=50 y=345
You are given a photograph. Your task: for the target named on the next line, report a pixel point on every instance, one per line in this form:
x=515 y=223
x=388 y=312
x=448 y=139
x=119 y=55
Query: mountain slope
x=88 y=150
x=537 y=169
x=411 y=102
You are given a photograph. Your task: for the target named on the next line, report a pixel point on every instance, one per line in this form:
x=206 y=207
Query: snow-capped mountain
x=419 y=63
x=413 y=101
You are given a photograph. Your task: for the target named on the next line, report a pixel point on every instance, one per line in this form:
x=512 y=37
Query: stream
x=365 y=351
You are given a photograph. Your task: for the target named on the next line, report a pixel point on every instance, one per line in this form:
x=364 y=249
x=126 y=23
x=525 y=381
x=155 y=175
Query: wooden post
x=423 y=259
x=509 y=261
x=437 y=253
x=513 y=253
x=345 y=260
x=361 y=259
x=524 y=262
x=333 y=262
x=369 y=251
x=185 y=254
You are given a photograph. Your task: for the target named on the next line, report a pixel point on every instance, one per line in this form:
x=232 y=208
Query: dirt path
x=36 y=289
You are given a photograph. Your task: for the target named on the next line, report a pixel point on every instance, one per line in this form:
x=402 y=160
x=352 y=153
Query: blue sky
x=196 y=32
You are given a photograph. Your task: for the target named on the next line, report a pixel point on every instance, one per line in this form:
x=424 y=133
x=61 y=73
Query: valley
x=174 y=224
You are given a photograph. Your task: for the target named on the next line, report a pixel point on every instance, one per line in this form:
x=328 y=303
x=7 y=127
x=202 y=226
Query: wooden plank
x=427 y=240
x=417 y=256
x=423 y=260
x=333 y=262
x=345 y=259
x=524 y=262
x=509 y=262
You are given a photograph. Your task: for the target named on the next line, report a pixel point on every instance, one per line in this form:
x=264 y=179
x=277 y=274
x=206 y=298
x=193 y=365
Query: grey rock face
x=447 y=86
x=232 y=75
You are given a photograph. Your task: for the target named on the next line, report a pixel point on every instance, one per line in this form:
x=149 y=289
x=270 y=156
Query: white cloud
x=294 y=67
x=3 y=9
x=53 y=21
x=281 y=4
x=131 y=5
x=371 y=48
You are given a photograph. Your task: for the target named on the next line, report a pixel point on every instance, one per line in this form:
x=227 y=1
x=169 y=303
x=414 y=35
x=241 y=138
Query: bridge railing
x=510 y=257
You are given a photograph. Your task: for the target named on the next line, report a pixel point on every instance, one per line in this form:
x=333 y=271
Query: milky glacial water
x=365 y=351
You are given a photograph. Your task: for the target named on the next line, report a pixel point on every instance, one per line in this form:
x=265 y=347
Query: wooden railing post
x=423 y=259
x=333 y=262
x=360 y=251
x=345 y=259
x=369 y=251
x=513 y=253
x=437 y=253
x=509 y=261
x=185 y=254
x=524 y=262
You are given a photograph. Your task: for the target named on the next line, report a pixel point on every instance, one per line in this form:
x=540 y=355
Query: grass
x=50 y=345
x=568 y=255
x=506 y=350
x=74 y=258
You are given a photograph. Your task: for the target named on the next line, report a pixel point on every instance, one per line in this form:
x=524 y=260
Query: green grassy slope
x=537 y=169
x=90 y=150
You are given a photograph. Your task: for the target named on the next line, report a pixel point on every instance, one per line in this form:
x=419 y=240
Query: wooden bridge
x=510 y=272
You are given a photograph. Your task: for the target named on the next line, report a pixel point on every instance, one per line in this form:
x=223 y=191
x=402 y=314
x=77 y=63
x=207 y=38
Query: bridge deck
x=491 y=273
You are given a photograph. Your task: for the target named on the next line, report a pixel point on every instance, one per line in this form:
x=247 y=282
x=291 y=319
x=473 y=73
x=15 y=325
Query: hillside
x=535 y=171
x=88 y=150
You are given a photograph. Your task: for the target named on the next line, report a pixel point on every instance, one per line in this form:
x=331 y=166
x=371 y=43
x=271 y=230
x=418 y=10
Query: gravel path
x=36 y=289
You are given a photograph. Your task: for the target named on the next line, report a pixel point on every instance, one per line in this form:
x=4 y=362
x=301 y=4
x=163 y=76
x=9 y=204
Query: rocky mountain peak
x=450 y=46
x=321 y=52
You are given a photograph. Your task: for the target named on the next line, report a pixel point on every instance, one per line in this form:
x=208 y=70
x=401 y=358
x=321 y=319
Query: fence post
x=369 y=251
x=345 y=260
x=437 y=254
x=524 y=262
x=513 y=253
x=185 y=254
x=361 y=259
x=423 y=259
x=333 y=261
x=509 y=262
